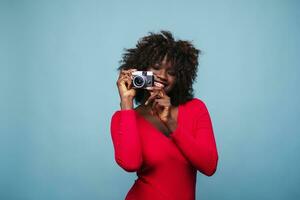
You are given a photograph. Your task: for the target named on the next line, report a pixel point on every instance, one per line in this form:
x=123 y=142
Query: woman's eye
x=172 y=73
x=155 y=67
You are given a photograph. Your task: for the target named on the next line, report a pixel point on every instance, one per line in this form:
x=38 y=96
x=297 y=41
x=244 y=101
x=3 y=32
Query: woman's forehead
x=165 y=62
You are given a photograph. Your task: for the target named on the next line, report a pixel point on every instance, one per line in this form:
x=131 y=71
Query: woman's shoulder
x=195 y=105
x=195 y=102
x=119 y=113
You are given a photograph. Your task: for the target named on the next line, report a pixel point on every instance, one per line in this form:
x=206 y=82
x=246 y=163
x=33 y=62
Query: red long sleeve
x=126 y=141
x=198 y=143
x=166 y=166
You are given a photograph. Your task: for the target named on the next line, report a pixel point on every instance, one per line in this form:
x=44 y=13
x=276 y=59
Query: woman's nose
x=162 y=74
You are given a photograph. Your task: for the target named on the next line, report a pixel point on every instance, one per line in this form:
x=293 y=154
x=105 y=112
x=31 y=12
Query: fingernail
x=146 y=102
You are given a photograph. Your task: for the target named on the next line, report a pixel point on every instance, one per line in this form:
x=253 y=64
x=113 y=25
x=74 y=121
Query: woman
x=169 y=135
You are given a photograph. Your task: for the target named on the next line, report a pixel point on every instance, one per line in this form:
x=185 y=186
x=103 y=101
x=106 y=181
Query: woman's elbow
x=130 y=165
x=212 y=168
x=209 y=165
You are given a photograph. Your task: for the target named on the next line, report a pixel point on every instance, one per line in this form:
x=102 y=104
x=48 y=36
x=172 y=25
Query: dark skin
x=156 y=106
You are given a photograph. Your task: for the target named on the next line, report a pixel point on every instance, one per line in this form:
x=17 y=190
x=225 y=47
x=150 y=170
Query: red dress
x=166 y=166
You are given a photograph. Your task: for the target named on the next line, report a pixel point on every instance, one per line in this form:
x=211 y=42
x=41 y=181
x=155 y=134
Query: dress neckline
x=156 y=129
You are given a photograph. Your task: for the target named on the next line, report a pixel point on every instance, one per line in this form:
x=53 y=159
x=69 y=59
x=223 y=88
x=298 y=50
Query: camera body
x=142 y=79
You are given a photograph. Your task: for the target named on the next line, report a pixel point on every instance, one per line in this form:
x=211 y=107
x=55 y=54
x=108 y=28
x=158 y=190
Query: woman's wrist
x=171 y=124
x=126 y=104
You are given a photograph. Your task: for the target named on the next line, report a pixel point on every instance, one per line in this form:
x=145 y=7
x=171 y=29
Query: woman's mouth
x=159 y=84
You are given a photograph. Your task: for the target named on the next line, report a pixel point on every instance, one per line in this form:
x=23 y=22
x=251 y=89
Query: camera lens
x=138 y=81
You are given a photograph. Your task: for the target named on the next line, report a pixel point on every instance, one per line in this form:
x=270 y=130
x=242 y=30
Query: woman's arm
x=126 y=140
x=123 y=127
x=198 y=145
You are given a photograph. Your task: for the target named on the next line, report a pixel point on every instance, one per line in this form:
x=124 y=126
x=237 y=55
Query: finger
x=124 y=77
x=127 y=71
x=122 y=73
x=157 y=106
x=130 y=72
x=163 y=102
x=151 y=112
x=154 y=105
x=121 y=84
x=149 y=88
x=154 y=112
x=159 y=94
x=163 y=92
x=128 y=81
x=122 y=80
x=133 y=70
x=125 y=82
x=150 y=99
x=154 y=88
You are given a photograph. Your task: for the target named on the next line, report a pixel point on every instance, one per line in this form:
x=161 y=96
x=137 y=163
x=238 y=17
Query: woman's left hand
x=161 y=103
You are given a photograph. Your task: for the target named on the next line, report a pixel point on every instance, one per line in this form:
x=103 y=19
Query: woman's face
x=164 y=74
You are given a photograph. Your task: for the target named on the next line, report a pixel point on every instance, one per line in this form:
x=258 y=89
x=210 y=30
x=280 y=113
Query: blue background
x=58 y=91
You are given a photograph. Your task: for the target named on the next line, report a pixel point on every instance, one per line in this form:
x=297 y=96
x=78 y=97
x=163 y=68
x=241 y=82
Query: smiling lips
x=158 y=84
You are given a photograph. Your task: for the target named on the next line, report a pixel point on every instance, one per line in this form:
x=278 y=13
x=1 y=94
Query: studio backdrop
x=58 y=62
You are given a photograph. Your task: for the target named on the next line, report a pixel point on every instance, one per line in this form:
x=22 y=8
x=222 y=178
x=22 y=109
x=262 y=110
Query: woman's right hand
x=124 y=84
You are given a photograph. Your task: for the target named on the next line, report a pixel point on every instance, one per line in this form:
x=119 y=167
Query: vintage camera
x=142 y=79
